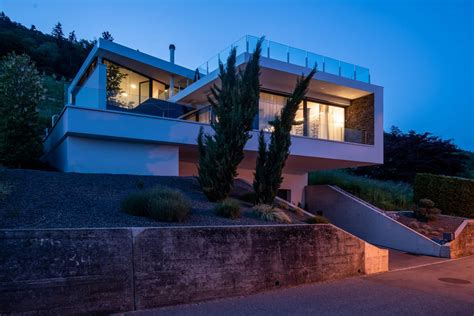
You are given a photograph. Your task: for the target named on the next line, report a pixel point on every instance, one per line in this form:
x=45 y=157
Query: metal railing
x=291 y=55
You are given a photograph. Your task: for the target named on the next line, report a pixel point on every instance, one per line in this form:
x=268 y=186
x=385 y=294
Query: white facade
x=92 y=136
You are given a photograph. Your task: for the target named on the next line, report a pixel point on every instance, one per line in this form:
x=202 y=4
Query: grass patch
x=387 y=195
x=228 y=208
x=317 y=219
x=271 y=214
x=160 y=203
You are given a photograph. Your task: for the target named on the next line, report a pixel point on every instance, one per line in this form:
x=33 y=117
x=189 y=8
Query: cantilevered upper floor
x=123 y=94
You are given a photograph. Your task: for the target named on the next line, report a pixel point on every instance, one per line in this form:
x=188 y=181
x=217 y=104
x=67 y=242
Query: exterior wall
x=88 y=155
x=463 y=244
x=102 y=271
x=368 y=223
x=360 y=116
x=294 y=182
x=92 y=94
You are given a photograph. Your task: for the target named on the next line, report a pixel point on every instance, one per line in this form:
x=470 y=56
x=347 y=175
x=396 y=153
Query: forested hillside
x=55 y=54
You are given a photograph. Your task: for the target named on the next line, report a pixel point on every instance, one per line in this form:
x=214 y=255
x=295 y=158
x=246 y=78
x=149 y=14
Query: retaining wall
x=112 y=270
x=463 y=244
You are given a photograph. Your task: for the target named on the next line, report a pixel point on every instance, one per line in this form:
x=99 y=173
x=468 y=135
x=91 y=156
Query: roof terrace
x=286 y=53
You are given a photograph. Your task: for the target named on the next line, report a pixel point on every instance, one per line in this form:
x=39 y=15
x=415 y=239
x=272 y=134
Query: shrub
x=160 y=203
x=271 y=214
x=387 y=195
x=317 y=219
x=425 y=211
x=136 y=204
x=168 y=209
x=229 y=208
x=453 y=195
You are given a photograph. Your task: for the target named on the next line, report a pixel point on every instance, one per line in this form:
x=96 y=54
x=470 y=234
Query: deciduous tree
x=20 y=92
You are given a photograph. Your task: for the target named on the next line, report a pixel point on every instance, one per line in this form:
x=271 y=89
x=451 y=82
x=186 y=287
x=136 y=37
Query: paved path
x=413 y=291
x=401 y=260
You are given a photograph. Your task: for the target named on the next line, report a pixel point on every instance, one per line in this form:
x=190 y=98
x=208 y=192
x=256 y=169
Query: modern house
x=132 y=113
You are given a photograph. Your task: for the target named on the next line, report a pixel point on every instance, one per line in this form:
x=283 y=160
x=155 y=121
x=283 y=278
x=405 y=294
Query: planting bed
x=41 y=199
x=431 y=229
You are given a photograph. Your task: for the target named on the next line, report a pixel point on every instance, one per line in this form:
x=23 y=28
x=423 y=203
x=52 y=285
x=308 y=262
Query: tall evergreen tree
x=235 y=104
x=72 y=37
x=107 y=36
x=58 y=31
x=20 y=92
x=271 y=159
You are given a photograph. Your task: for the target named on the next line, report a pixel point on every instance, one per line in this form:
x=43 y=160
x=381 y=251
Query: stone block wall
x=463 y=245
x=84 y=271
x=360 y=116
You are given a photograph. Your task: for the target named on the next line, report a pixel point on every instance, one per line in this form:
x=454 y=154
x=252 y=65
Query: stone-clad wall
x=112 y=270
x=463 y=245
x=360 y=116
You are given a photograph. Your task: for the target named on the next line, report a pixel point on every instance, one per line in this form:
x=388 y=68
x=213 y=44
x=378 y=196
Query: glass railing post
x=288 y=54
x=339 y=63
x=268 y=48
x=324 y=64
x=207 y=67
x=355 y=73
x=306 y=60
x=247 y=43
x=369 y=77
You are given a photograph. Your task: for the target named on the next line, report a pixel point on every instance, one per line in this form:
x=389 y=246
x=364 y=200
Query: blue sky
x=421 y=51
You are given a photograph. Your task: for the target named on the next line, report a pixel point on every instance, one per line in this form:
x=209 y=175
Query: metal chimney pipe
x=172 y=48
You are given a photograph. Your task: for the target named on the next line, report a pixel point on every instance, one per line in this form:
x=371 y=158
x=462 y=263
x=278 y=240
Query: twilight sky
x=422 y=52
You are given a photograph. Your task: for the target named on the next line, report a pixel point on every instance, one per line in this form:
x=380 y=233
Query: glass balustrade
x=285 y=53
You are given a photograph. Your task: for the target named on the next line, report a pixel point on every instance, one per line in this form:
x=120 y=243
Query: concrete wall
x=367 y=222
x=92 y=94
x=111 y=270
x=294 y=182
x=306 y=153
x=90 y=155
x=65 y=272
x=360 y=116
x=463 y=245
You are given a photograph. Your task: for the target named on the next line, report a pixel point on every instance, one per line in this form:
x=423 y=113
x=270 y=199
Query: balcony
x=291 y=55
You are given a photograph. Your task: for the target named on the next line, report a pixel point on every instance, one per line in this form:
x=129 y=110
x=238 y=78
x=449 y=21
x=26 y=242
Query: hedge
x=452 y=195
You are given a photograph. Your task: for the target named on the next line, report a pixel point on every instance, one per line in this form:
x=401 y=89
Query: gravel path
x=41 y=199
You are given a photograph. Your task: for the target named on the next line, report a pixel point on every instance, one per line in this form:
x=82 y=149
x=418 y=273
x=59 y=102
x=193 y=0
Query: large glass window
x=270 y=106
x=126 y=88
x=325 y=121
x=318 y=120
x=159 y=91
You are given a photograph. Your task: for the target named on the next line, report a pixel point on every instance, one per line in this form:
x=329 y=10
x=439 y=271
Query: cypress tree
x=235 y=104
x=271 y=159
